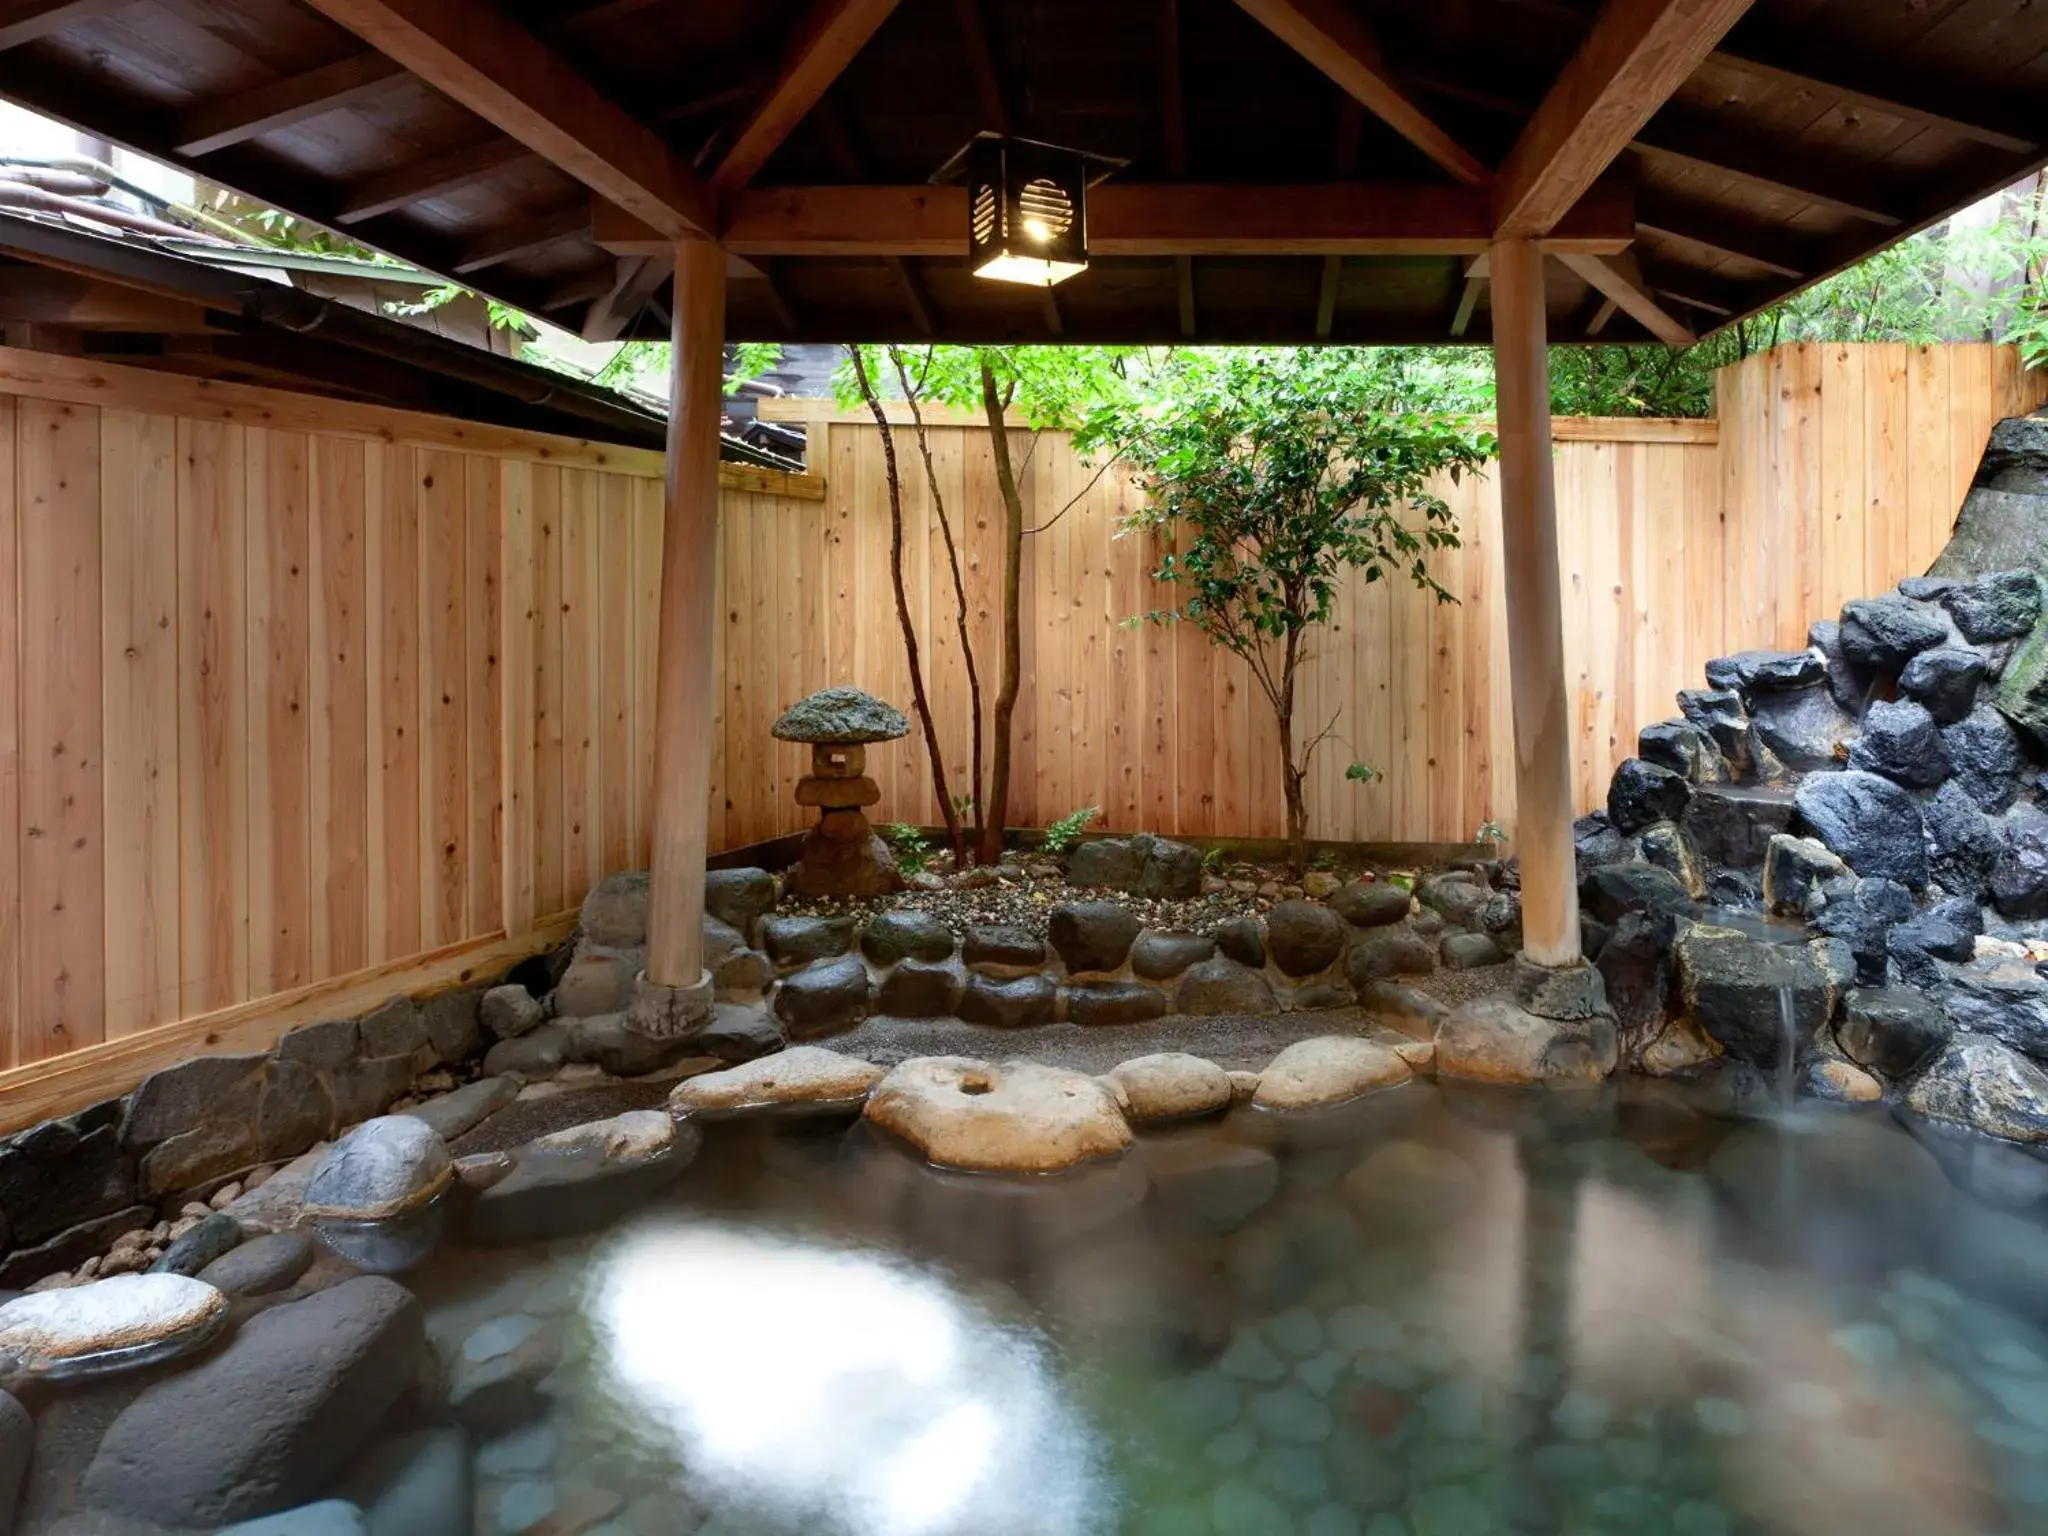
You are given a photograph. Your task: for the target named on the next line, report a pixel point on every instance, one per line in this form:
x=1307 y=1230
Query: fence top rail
x=1564 y=429
x=87 y=381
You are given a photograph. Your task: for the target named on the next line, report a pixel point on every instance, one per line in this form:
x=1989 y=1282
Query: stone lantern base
x=842 y=856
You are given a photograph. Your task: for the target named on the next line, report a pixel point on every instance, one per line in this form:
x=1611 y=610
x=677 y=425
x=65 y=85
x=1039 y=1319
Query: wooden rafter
x=916 y=297
x=235 y=119
x=523 y=238
x=981 y=63
x=1719 y=236
x=835 y=31
x=1620 y=280
x=1603 y=312
x=24 y=21
x=1184 y=294
x=1690 y=139
x=1335 y=41
x=435 y=177
x=1636 y=55
x=468 y=50
x=632 y=285
x=1146 y=219
x=1828 y=74
x=775 y=282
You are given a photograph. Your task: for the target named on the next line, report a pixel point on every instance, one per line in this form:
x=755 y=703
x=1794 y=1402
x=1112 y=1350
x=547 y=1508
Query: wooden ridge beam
x=1144 y=219
x=468 y=50
x=1335 y=41
x=1621 y=280
x=833 y=33
x=214 y=125
x=523 y=238
x=24 y=21
x=435 y=177
x=1637 y=54
x=1857 y=83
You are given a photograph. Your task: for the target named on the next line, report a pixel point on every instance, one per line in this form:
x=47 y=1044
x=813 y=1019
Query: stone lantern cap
x=840 y=717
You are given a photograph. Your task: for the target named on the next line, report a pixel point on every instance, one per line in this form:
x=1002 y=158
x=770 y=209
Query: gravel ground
x=522 y=1120
x=1230 y=1041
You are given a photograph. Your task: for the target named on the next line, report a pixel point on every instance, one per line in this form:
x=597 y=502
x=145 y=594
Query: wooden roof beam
x=1145 y=219
x=1184 y=295
x=1620 y=280
x=1637 y=54
x=215 y=125
x=1331 y=37
x=633 y=284
x=1710 y=229
x=434 y=177
x=835 y=31
x=468 y=50
x=24 y=21
x=916 y=297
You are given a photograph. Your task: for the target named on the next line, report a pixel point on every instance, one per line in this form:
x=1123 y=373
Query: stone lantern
x=842 y=855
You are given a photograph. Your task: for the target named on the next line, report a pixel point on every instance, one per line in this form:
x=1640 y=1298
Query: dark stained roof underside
x=1816 y=132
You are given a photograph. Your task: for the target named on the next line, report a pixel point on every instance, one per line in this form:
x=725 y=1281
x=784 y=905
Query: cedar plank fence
x=303 y=701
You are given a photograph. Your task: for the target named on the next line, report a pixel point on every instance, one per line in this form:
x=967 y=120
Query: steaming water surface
x=1432 y=1313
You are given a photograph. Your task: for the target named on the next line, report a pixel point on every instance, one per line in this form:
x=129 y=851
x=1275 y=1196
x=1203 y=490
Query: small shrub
x=1489 y=832
x=1325 y=859
x=913 y=849
x=1060 y=836
x=1362 y=773
x=1214 y=860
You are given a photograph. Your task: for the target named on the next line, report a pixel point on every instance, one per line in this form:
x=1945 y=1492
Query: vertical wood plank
x=518 y=663
x=395 y=811
x=11 y=639
x=1930 y=439
x=580 y=695
x=615 y=673
x=550 y=869
x=483 y=624
x=280 y=827
x=139 y=607
x=213 y=918
x=443 y=592
x=63 y=857
x=338 y=709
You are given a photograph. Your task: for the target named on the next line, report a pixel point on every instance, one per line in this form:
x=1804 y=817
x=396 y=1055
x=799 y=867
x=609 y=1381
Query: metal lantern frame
x=1027 y=207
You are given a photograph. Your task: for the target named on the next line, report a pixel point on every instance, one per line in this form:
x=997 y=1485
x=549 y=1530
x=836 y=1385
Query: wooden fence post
x=1528 y=515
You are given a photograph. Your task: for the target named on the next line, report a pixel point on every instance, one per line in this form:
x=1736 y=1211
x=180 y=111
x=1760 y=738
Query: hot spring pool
x=1432 y=1313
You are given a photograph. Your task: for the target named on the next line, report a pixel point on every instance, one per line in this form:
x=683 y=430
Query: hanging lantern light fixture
x=1027 y=207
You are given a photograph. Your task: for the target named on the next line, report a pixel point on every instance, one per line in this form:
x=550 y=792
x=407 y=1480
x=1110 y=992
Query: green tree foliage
x=1272 y=475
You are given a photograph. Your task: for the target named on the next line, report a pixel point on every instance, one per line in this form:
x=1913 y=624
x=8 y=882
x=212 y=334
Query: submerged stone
x=1332 y=1069
x=1017 y=1117
x=583 y=1178
x=803 y=1080
x=377 y=1197
x=109 y=1326
x=1170 y=1085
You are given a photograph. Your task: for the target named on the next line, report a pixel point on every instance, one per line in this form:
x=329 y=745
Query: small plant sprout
x=1214 y=860
x=1489 y=832
x=1060 y=836
x=1363 y=773
x=913 y=848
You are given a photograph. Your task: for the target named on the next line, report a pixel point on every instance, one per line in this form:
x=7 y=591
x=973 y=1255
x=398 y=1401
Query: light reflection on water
x=1435 y=1313
x=869 y=1397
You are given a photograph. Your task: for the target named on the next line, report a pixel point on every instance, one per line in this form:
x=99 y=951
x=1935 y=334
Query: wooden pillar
x=684 y=686
x=1528 y=513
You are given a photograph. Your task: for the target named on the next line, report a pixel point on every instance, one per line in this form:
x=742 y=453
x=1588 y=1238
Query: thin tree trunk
x=997 y=813
x=917 y=693
x=1292 y=774
x=931 y=476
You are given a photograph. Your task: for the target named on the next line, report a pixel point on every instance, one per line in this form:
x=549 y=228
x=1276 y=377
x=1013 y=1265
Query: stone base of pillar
x=669 y=1013
x=1563 y=992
